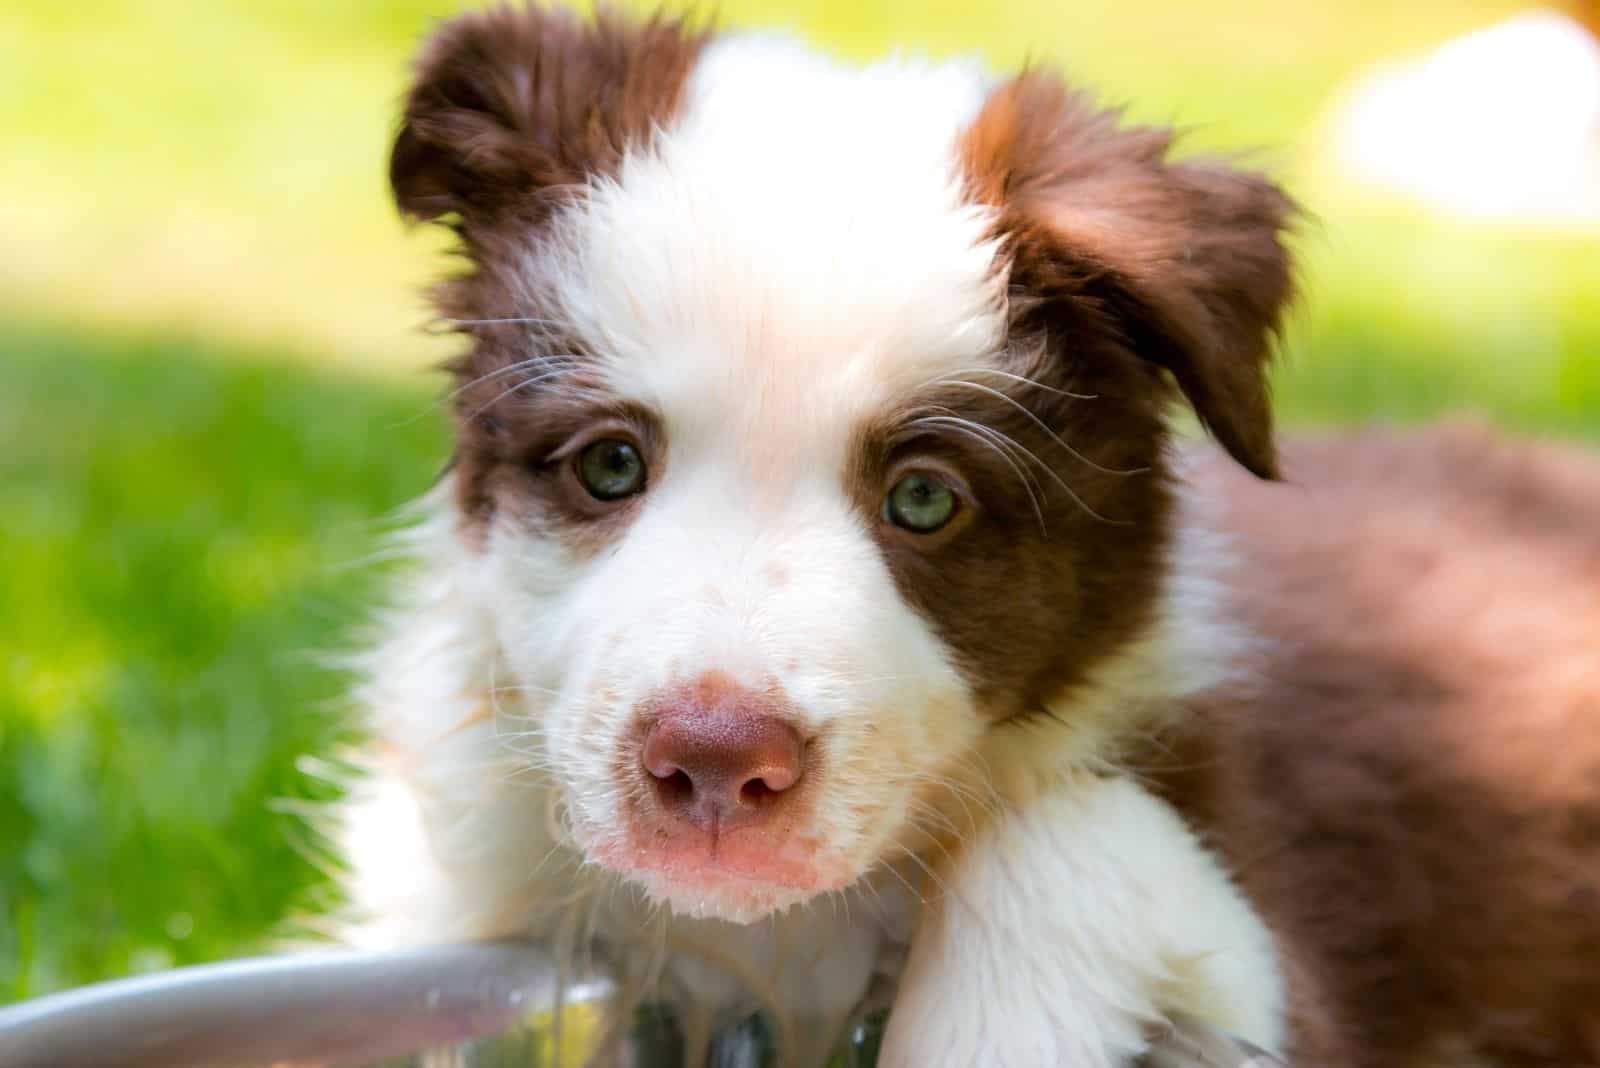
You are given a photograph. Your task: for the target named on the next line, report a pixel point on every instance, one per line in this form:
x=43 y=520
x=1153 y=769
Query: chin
x=719 y=894
x=738 y=877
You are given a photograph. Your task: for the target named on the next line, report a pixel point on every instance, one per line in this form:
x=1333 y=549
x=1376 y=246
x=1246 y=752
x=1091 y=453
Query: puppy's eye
x=920 y=503
x=611 y=469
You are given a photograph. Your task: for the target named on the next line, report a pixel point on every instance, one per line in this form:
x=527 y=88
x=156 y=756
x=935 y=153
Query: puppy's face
x=812 y=421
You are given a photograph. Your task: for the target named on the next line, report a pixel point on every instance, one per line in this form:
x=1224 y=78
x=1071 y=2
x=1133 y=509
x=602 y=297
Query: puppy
x=817 y=609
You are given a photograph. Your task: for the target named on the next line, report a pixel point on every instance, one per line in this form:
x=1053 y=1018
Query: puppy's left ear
x=1187 y=259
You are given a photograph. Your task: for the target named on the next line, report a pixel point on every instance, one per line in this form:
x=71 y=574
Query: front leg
x=1068 y=927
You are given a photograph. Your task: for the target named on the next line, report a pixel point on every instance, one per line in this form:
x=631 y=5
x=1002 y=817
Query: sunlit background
x=213 y=386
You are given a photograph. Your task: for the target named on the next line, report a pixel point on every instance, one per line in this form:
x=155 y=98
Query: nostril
x=676 y=787
x=756 y=792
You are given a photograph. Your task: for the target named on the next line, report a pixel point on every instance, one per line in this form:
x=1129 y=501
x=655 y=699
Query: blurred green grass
x=210 y=398
x=183 y=541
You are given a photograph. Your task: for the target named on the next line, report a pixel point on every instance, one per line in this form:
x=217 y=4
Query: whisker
x=945 y=890
x=565 y=360
x=912 y=890
x=988 y=801
x=529 y=319
x=922 y=811
x=1024 y=379
x=503 y=394
x=1055 y=476
x=1042 y=425
x=963 y=794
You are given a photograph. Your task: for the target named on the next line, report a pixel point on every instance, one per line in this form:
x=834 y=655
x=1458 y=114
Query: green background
x=212 y=389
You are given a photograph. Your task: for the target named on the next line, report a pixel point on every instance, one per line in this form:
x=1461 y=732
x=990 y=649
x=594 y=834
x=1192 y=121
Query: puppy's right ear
x=512 y=105
x=1186 y=259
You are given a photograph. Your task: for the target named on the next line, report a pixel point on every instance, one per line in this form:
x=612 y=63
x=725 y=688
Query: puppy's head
x=813 y=419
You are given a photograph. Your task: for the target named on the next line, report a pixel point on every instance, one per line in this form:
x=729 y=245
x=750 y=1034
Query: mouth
x=740 y=875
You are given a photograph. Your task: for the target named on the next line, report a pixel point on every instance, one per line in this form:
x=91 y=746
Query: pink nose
x=720 y=765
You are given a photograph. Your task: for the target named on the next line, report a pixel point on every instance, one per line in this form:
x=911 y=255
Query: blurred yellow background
x=210 y=386
x=220 y=166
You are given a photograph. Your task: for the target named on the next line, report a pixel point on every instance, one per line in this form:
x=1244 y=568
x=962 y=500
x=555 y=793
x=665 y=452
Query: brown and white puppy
x=814 y=607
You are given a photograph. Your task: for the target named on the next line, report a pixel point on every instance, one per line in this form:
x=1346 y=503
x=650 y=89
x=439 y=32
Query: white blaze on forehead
x=795 y=249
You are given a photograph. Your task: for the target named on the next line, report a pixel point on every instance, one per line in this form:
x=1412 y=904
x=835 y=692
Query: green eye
x=611 y=469
x=920 y=503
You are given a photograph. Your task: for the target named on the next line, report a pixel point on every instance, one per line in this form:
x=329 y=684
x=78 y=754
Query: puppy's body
x=1405 y=778
x=812 y=611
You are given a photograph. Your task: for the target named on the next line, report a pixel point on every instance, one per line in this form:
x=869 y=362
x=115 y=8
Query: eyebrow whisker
x=1042 y=425
x=1051 y=471
x=528 y=319
x=503 y=394
x=565 y=361
x=1024 y=379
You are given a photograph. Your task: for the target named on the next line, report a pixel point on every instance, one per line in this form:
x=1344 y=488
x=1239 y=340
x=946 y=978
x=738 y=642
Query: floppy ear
x=513 y=102
x=1187 y=258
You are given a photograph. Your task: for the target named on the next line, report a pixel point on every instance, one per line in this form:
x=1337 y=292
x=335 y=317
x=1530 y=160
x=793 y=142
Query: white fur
x=791 y=255
x=794 y=251
x=1071 y=926
x=444 y=834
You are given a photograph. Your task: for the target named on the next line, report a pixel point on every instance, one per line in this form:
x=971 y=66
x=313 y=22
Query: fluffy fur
x=787 y=283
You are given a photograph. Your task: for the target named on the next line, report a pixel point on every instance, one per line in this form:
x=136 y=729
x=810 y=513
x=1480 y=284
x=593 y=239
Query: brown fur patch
x=1058 y=561
x=514 y=111
x=523 y=463
x=1123 y=266
x=1409 y=790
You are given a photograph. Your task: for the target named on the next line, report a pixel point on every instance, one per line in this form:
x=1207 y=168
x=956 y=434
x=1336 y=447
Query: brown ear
x=513 y=101
x=1187 y=258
